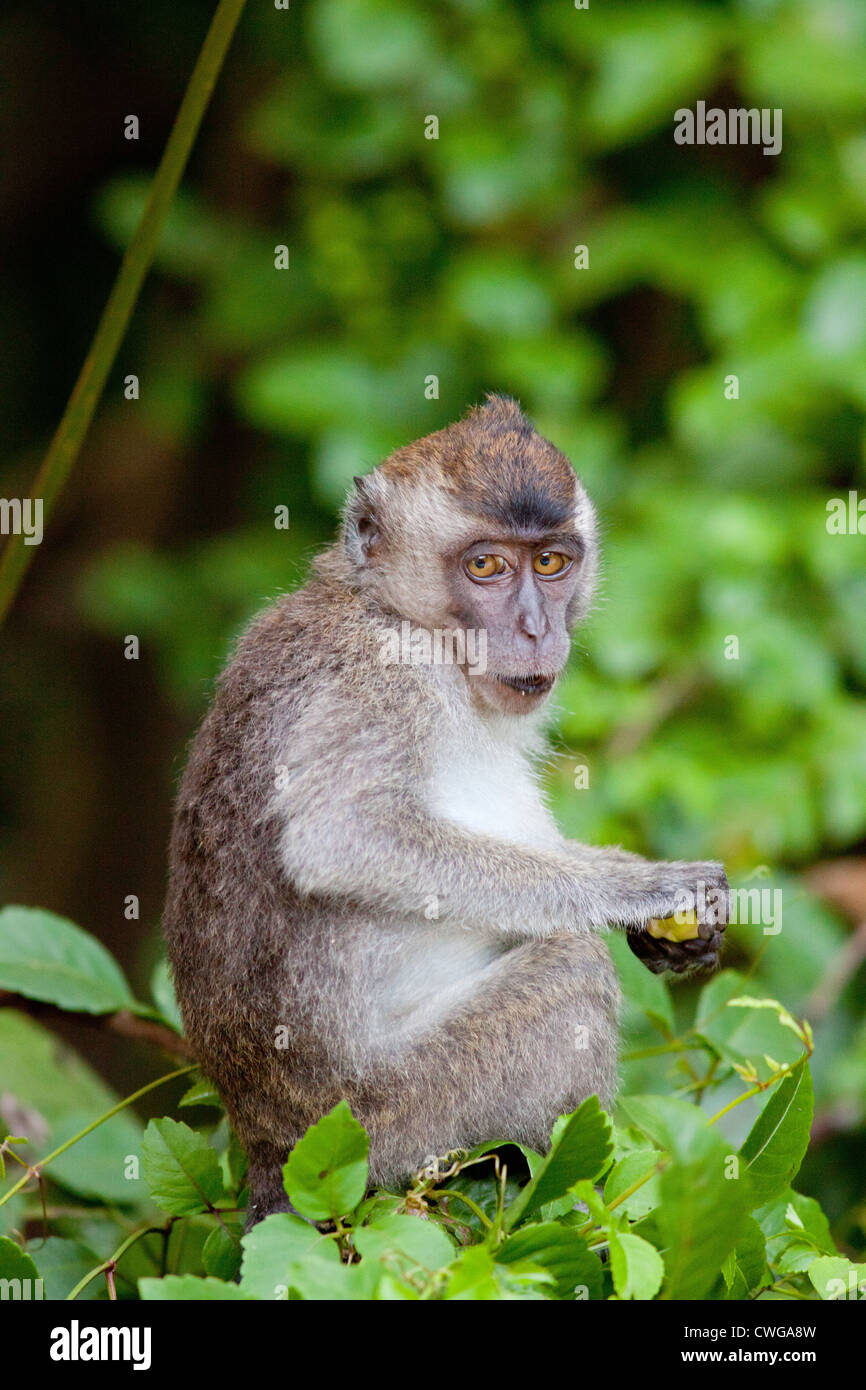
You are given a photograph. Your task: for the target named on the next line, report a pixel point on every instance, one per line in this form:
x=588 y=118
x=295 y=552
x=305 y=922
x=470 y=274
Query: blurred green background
x=410 y=258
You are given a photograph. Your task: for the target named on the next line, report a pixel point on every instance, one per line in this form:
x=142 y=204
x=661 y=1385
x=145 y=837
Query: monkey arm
x=708 y=876
x=403 y=861
x=662 y=955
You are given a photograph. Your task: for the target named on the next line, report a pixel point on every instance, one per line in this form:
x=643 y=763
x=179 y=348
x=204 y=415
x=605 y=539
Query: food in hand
x=682 y=927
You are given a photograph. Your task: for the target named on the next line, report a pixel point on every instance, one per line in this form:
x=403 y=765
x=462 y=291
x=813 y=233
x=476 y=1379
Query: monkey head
x=482 y=527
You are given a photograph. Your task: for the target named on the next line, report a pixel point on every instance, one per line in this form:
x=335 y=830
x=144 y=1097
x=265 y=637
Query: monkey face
x=484 y=528
x=519 y=592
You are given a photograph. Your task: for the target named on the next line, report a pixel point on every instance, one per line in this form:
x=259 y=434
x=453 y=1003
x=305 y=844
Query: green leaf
x=44 y=956
x=180 y=1168
x=475 y=1277
x=389 y=1290
x=60 y=1095
x=284 y=1253
x=62 y=1263
x=489 y=175
x=404 y=1244
x=533 y=1158
x=178 y=1288
x=670 y=1123
x=739 y=1034
x=271 y=392
x=233 y=1158
x=796 y=1230
x=559 y=1250
x=835 y=312
x=836 y=1278
x=645 y=60
x=326 y=1173
x=631 y=1169
x=775 y=1145
x=162 y=989
x=693 y=1189
x=745 y=1268
x=498 y=294
x=221 y=1255
x=636 y=1266
x=701 y=1215
x=585 y=1193
x=193 y=243
x=15 y=1263
x=581 y=1149
x=484 y=1192
x=370 y=45
x=201 y=1092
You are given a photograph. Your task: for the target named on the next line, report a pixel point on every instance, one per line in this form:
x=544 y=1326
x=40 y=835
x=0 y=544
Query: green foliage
x=580 y=1148
x=63 y=1263
x=694 y=1191
x=162 y=989
x=835 y=1277
x=181 y=1169
x=796 y=1230
x=14 y=1262
x=559 y=1250
x=58 y=1094
x=183 y=1288
x=637 y=1268
x=778 y=1140
x=284 y=1253
x=43 y=956
x=327 y=1171
x=200 y=1092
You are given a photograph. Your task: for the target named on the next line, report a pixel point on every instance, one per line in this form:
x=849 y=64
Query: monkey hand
x=643 y=889
x=679 y=944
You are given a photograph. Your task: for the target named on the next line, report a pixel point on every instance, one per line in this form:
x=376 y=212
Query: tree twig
x=128 y=1025
x=67 y=441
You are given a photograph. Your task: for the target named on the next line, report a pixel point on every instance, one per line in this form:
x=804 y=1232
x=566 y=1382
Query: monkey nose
x=530 y=625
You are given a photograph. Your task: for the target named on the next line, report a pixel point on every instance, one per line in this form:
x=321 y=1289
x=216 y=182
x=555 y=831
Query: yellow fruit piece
x=669 y=929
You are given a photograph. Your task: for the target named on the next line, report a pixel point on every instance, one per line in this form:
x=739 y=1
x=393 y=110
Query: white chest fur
x=491 y=787
x=488 y=786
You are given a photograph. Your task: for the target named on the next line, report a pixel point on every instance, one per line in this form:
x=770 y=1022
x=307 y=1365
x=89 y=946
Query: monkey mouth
x=528 y=685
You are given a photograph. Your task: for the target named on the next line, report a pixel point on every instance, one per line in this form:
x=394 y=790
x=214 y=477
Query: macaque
x=369 y=898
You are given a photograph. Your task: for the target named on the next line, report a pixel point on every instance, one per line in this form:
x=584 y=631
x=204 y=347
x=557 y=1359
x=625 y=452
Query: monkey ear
x=363 y=533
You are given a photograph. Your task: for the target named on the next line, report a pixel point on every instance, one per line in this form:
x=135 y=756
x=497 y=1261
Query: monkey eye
x=549 y=562
x=486 y=566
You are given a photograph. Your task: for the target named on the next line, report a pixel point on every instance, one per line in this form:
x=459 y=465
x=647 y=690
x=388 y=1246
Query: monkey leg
x=535 y=1038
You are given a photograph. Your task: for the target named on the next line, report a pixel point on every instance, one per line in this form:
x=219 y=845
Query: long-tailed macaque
x=369 y=898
